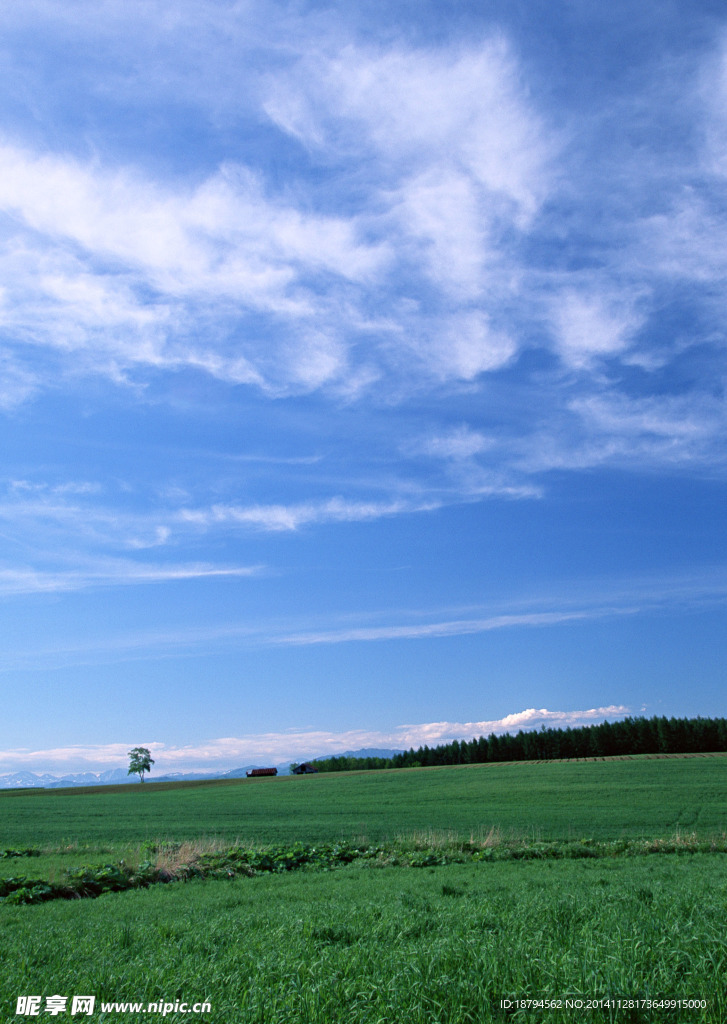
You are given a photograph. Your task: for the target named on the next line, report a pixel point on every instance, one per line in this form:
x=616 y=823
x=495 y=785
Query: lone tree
x=140 y=762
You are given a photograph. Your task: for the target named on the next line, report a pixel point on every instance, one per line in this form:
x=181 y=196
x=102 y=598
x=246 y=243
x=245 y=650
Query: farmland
x=432 y=923
x=600 y=799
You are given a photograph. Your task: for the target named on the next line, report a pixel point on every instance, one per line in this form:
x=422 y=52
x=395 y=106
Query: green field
x=380 y=941
x=549 y=800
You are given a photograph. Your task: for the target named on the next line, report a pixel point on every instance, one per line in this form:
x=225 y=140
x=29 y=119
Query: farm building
x=256 y=773
x=305 y=769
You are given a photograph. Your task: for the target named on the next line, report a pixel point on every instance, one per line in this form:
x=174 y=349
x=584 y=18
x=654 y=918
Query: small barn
x=305 y=769
x=257 y=773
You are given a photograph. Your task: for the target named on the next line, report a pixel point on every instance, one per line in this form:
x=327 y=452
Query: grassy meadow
x=637 y=797
x=480 y=884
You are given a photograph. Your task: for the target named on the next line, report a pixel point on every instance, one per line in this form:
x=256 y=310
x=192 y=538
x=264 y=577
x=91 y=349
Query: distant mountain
x=118 y=776
x=25 y=780
x=29 y=780
x=364 y=752
x=114 y=777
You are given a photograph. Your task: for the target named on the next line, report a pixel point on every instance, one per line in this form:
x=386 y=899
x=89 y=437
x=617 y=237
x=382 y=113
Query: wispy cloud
x=591 y=327
x=291 y=517
x=446 y=108
x=456 y=627
x=181 y=253
x=111 y=574
x=427 y=625
x=231 y=752
x=288 y=290
x=565 y=607
x=712 y=97
x=457 y=444
x=101 y=525
x=114 y=271
x=481 y=223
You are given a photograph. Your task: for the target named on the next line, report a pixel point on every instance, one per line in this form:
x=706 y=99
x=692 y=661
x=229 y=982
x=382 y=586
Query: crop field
x=433 y=896
x=549 y=800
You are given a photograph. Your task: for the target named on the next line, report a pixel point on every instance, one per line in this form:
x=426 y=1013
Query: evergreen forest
x=626 y=738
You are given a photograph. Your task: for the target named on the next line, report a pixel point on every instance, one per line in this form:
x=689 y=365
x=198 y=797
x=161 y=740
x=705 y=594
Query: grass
x=551 y=801
x=390 y=944
x=486 y=883
x=163 y=863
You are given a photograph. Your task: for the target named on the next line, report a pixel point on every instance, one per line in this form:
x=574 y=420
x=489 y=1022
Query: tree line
x=607 y=739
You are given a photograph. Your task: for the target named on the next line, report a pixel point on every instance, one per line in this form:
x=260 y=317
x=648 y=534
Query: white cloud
x=18 y=383
x=456 y=160
x=464 y=108
x=712 y=95
x=154 y=51
x=686 y=430
x=439 y=211
x=174 y=258
x=456 y=627
x=466 y=346
x=231 y=752
x=115 y=271
x=532 y=718
x=687 y=243
x=605 y=427
x=222 y=237
x=316 y=358
x=402 y=253
x=566 y=606
x=292 y=517
x=461 y=443
x=75 y=524
x=110 y=573
x=661 y=417
x=589 y=326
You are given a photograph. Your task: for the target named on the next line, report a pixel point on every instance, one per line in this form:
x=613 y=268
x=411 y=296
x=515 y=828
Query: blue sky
x=362 y=373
